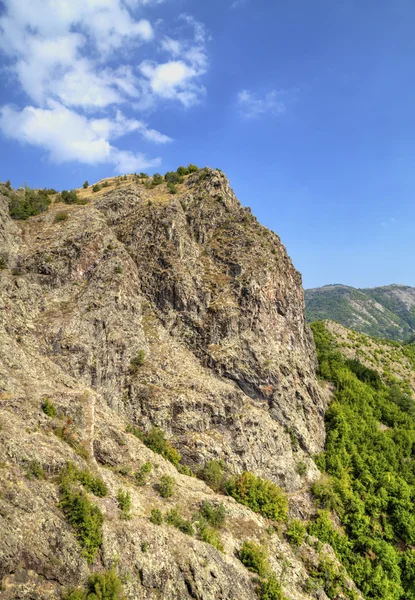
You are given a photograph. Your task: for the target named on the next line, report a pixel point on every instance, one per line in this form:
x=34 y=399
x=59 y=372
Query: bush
x=156 y=516
x=49 y=408
x=23 y=205
x=35 y=469
x=101 y=586
x=157 y=179
x=192 y=168
x=86 y=185
x=214 y=514
x=260 y=495
x=84 y=516
x=69 y=197
x=156 y=441
x=214 y=474
x=3 y=263
x=296 y=532
x=95 y=485
x=96 y=187
x=255 y=558
x=60 y=217
x=143 y=175
x=173 y=177
x=209 y=535
x=8 y=184
x=118 y=269
x=172 y=188
x=166 y=486
x=270 y=589
x=174 y=518
x=141 y=475
x=138 y=360
x=301 y=468
x=124 y=504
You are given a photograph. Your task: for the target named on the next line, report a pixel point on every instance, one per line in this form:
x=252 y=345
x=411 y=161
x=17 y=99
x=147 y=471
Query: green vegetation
x=392 y=319
x=84 y=516
x=255 y=558
x=270 y=589
x=96 y=187
x=69 y=197
x=101 y=586
x=86 y=185
x=27 y=203
x=296 y=532
x=370 y=477
x=35 y=470
x=138 y=360
x=214 y=474
x=260 y=495
x=68 y=434
x=166 y=486
x=49 y=408
x=92 y=484
x=156 y=440
x=301 y=468
x=172 y=188
x=156 y=516
x=214 y=514
x=124 y=504
x=210 y=518
x=157 y=179
x=140 y=476
x=174 y=518
x=327 y=575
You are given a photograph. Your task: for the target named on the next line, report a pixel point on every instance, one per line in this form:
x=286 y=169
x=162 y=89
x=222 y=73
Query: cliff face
x=213 y=300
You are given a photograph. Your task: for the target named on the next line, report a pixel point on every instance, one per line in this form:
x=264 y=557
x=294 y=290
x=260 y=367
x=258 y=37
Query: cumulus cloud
x=69 y=136
x=254 y=106
x=78 y=60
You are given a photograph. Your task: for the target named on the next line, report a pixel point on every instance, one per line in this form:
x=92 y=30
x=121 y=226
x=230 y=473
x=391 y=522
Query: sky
x=306 y=105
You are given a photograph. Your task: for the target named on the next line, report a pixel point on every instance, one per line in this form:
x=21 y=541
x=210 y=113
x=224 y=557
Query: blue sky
x=307 y=105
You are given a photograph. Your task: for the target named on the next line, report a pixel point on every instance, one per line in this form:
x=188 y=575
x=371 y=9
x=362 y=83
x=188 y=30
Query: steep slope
x=387 y=312
x=144 y=308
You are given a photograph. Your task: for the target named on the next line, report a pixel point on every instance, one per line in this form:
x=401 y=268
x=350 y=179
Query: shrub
x=35 y=469
x=23 y=205
x=8 y=184
x=124 y=504
x=69 y=197
x=185 y=470
x=214 y=514
x=156 y=516
x=61 y=216
x=172 y=188
x=270 y=589
x=105 y=184
x=86 y=185
x=296 y=532
x=143 y=175
x=3 y=263
x=101 y=586
x=68 y=434
x=173 y=177
x=214 y=474
x=181 y=171
x=96 y=187
x=174 y=518
x=157 y=179
x=192 y=168
x=156 y=441
x=93 y=484
x=166 y=486
x=138 y=360
x=301 y=468
x=118 y=269
x=84 y=516
x=49 y=408
x=141 y=475
x=260 y=495
x=255 y=558
x=209 y=535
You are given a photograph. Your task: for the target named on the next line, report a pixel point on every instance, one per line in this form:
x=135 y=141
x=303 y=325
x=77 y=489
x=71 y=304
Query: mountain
x=148 y=331
x=385 y=312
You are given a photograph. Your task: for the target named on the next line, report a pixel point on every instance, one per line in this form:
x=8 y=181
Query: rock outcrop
x=213 y=300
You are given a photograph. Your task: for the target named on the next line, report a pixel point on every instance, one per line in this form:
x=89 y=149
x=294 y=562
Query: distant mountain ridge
x=386 y=312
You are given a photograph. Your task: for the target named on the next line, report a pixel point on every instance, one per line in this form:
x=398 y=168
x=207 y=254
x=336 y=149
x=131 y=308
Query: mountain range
x=384 y=312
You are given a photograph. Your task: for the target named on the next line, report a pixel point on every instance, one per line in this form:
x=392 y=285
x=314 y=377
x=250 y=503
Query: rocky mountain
x=385 y=312
x=138 y=321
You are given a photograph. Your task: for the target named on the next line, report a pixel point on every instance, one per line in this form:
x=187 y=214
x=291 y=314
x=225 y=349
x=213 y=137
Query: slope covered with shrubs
x=369 y=479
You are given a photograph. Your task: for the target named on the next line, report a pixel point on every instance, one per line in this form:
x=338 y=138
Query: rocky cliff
x=145 y=308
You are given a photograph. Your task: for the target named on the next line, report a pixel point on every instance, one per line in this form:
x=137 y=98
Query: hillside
x=385 y=312
x=137 y=305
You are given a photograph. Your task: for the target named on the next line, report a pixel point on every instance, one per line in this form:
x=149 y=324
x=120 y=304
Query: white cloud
x=175 y=79
x=69 y=136
x=253 y=106
x=79 y=57
x=238 y=3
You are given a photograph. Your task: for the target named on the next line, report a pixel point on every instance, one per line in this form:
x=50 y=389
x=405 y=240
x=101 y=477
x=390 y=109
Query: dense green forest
x=369 y=475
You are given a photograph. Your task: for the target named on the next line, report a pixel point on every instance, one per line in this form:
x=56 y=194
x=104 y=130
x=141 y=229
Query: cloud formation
x=81 y=61
x=253 y=106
